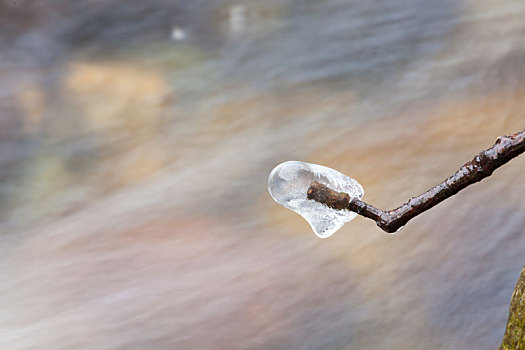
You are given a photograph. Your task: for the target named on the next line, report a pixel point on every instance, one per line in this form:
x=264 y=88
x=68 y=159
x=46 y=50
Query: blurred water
x=136 y=139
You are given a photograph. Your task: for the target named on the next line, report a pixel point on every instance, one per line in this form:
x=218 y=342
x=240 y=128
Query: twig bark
x=482 y=166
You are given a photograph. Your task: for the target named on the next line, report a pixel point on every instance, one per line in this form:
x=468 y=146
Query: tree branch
x=482 y=166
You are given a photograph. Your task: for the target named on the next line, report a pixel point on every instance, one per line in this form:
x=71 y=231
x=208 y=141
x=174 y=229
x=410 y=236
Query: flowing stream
x=136 y=139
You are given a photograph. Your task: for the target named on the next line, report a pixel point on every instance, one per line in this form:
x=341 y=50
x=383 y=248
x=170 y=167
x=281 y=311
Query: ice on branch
x=288 y=185
x=296 y=185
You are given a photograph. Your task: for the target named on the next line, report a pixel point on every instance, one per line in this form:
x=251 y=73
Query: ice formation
x=289 y=182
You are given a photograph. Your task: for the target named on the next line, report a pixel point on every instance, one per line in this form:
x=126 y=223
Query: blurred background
x=136 y=138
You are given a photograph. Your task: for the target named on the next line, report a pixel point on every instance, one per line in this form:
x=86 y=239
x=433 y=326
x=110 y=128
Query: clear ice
x=289 y=182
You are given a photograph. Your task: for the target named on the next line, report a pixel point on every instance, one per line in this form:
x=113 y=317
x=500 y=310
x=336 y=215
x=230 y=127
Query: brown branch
x=482 y=166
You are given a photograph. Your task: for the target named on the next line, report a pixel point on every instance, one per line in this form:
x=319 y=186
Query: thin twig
x=482 y=166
